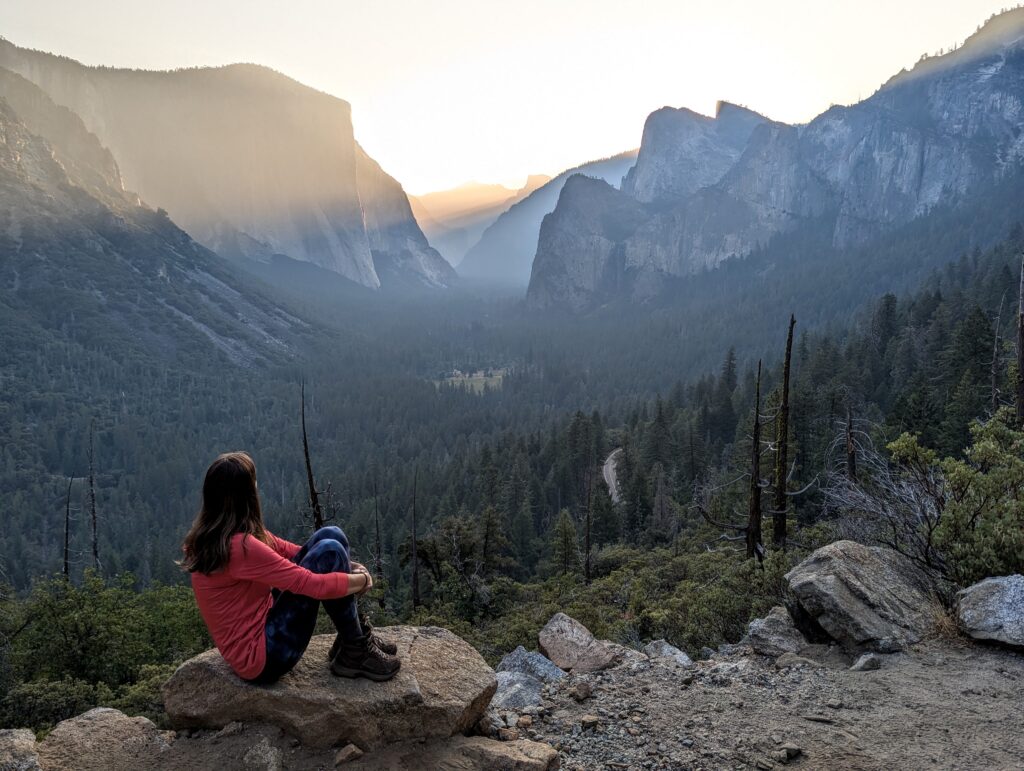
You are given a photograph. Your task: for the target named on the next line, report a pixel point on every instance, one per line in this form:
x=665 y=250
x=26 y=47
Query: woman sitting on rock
x=259 y=594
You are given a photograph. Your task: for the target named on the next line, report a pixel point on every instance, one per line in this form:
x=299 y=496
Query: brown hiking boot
x=362 y=658
x=387 y=647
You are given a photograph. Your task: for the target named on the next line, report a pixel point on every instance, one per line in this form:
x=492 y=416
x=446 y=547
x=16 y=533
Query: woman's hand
x=359 y=575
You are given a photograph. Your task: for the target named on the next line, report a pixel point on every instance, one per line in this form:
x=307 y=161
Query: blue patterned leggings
x=292 y=619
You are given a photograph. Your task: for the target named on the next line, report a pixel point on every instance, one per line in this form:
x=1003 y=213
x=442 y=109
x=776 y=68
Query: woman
x=259 y=594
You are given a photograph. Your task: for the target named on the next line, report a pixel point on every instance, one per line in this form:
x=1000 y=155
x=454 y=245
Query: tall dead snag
x=755 y=548
x=781 y=505
x=66 y=572
x=1020 y=348
x=589 y=519
x=851 y=448
x=378 y=558
x=92 y=499
x=314 y=498
x=415 y=560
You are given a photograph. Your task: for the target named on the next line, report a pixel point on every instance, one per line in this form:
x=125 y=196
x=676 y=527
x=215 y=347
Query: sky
x=448 y=91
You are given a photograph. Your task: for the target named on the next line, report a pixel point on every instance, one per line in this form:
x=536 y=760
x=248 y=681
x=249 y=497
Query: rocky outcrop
x=993 y=610
x=775 y=634
x=443 y=688
x=104 y=739
x=863 y=597
x=505 y=251
x=572 y=647
x=248 y=161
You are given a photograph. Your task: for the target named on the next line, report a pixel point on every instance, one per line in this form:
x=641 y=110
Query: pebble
x=347 y=754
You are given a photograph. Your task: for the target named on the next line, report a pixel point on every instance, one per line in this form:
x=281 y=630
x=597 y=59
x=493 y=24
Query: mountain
x=453 y=220
x=248 y=161
x=505 y=251
x=86 y=269
x=939 y=135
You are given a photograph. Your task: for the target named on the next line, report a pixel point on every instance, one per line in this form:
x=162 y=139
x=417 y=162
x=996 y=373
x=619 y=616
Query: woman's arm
x=283 y=547
x=253 y=560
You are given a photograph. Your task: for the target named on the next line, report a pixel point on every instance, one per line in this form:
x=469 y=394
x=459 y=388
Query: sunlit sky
x=447 y=91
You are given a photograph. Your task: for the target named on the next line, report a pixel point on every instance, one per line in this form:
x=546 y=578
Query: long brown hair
x=230 y=505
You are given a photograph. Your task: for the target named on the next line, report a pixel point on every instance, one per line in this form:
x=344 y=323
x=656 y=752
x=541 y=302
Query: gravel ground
x=940 y=706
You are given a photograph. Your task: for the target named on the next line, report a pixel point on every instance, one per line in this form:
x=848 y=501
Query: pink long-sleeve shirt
x=234 y=601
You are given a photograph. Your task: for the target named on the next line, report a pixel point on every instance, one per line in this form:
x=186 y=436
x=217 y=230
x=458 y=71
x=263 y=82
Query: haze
x=449 y=91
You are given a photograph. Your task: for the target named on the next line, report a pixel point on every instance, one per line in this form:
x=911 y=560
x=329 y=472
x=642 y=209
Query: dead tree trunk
x=378 y=556
x=851 y=448
x=782 y=451
x=755 y=547
x=314 y=498
x=92 y=501
x=415 y=560
x=1020 y=348
x=586 y=536
x=66 y=572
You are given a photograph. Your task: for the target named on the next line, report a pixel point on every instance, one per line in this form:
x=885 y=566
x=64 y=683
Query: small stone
x=508 y=734
x=524 y=722
x=580 y=691
x=232 y=728
x=589 y=722
x=763 y=764
x=867 y=662
x=792 y=750
x=347 y=754
x=834 y=704
x=633 y=731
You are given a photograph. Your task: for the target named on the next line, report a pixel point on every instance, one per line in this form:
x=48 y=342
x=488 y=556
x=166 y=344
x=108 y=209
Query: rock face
x=505 y=251
x=104 y=739
x=993 y=609
x=951 y=129
x=250 y=162
x=443 y=688
x=775 y=634
x=516 y=690
x=580 y=255
x=571 y=646
x=683 y=151
x=863 y=597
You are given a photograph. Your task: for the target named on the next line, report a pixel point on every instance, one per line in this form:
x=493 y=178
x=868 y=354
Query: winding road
x=608 y=471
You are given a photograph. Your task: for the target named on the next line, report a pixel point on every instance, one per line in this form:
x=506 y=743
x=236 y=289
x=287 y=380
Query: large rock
x=863 y=597
x=517 y=690
x=662 y=649
x=571 y=646
x=994 y=610
x=18 y=750
x=105 y=740
x=775 y=634
x=462 y=753
x=531 y=663
x=443 y=688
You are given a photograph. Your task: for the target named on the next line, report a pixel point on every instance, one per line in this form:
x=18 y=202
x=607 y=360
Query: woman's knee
x=327 y=556
x=331 y=533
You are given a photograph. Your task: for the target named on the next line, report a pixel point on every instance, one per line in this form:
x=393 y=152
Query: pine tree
x=564 y=545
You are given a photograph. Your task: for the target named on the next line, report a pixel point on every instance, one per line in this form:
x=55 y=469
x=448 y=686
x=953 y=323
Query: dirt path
x=610 y=477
